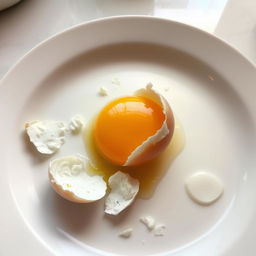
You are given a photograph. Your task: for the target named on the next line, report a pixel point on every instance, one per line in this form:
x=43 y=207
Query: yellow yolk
x=124 y=124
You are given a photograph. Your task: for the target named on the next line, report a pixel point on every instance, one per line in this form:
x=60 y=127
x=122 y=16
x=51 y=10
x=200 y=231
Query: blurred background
x=28 y=22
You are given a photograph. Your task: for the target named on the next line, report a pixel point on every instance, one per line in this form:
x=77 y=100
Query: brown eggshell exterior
x=67 y=194
x=154 y=150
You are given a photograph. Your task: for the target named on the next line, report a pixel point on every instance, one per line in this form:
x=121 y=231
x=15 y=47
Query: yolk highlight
x=124 y=124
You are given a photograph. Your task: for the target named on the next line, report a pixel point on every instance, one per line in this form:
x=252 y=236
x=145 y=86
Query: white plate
x=212 y=91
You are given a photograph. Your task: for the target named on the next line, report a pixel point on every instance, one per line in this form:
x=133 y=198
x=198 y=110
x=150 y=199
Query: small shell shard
x=124 y=189
x=126 y=233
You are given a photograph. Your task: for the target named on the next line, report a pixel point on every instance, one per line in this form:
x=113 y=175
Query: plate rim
x=122 y=17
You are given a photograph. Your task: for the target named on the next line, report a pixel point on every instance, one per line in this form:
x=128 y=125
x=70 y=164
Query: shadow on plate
x=62 y=214
x=76 y=219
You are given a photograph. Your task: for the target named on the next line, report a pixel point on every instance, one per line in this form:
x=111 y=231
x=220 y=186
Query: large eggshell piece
x=69 y=177
x=47 y=135
x=158 y=142
x=124 y=189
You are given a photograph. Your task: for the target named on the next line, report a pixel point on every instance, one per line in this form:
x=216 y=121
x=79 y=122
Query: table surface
x=238 y=26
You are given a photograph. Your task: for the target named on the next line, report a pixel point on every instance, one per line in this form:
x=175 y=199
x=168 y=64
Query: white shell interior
x=124 y=189
x=46 y=135
x=71 y=173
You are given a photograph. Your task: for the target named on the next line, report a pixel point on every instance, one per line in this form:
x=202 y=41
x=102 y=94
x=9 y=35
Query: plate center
x=217 y=139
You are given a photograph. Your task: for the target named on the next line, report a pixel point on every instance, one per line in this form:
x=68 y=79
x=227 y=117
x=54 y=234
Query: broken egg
x=124 y=189
x=70 y=178
x=133 y=130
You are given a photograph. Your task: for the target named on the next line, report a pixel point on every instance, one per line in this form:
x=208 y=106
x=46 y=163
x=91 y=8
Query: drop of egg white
x=204 y=188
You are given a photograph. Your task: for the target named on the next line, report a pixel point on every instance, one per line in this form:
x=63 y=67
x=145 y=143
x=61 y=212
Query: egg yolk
x=124 y=124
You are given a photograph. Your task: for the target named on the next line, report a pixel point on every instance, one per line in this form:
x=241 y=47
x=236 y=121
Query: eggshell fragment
x=103 y=91
x=70 y=178
x=76 y=124
x=159 y=230
x=156 y=143
x=148 y=221
x=126 y=233
x=47 y=136
x=204 y=188
x=124 y=189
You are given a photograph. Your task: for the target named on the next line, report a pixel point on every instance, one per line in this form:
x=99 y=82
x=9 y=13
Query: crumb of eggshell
x=46 y=135
x=148 y=221
x=126 y=233
x=76 y=124
x=159 y=230
x=103 y=91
